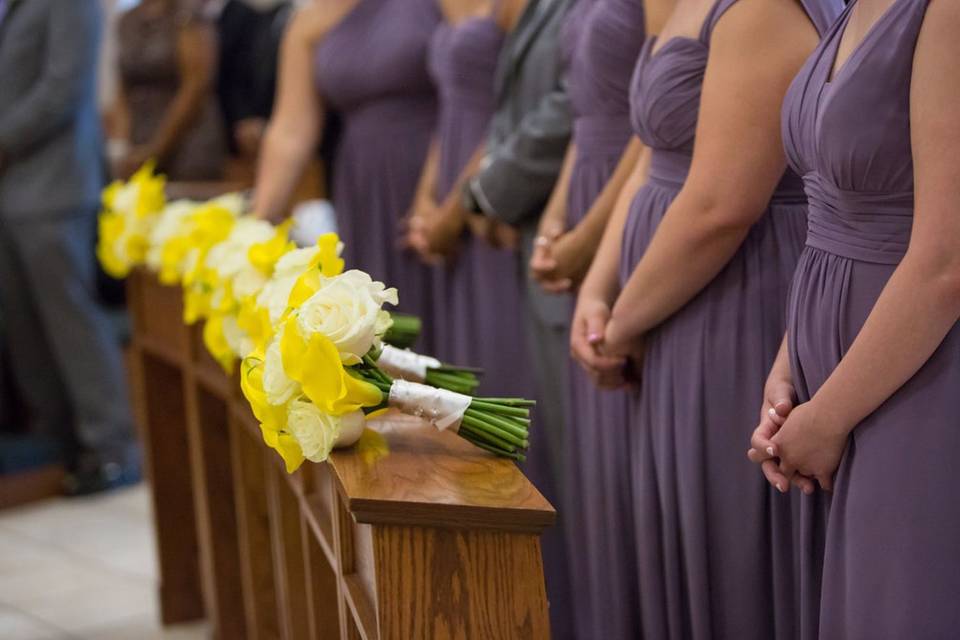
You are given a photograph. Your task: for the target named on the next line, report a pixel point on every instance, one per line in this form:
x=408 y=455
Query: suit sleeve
x=517 y=176
x=71 y=49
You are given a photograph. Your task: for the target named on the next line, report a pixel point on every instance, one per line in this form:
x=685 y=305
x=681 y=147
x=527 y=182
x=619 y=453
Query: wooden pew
x=409 y=534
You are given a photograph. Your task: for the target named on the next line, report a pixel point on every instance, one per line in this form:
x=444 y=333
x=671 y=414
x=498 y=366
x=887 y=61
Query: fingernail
x=772 y=411
x=594 y=337
x=770 y=451
x=779 y=487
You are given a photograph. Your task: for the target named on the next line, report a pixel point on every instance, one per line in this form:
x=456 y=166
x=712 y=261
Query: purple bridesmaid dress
x=477 y=297
x=605 y=42
x=891 y=567
x=714 y=541
x=372 y=69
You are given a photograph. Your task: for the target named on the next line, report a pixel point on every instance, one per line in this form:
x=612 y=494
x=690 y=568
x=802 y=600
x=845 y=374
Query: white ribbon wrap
x=401 y=363
x=443 y=409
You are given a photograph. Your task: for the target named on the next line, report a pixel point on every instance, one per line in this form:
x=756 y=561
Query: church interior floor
x=82 y=569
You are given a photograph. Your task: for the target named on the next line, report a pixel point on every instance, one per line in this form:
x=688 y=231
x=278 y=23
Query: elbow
x=940 y=271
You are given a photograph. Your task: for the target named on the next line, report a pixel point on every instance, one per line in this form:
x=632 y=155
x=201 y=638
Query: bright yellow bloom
x=316 y=365
x=255 y=321
x=217 y=344
x=327 y=263
x=272 y=418
x=264 y=255
x=129 y=212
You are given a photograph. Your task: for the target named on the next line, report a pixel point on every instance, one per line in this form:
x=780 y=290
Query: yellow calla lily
x=272 y=418
x=326 y=263
x=255 y=322
x=316 y=365
x=216 y=343
x=264 y=255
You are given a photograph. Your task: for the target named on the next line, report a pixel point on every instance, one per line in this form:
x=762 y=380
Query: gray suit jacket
x=51 y=157
x=528 y=139
x=531 y=127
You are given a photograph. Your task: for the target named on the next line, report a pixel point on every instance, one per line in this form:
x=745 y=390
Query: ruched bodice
x=857 y=171
x=463 y=61
x=374 y=61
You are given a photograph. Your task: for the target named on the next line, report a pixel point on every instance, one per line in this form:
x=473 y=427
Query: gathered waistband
x=867 y=226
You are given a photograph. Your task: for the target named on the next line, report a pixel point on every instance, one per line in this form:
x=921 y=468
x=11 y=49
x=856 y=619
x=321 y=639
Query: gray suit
x=66 y=360
x=529 y=135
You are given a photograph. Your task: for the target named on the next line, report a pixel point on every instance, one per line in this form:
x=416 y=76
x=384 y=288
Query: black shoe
x=104 y=477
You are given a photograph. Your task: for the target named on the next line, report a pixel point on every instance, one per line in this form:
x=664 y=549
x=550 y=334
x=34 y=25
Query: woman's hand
x=566 y=264
x=498 y=235
x=590 y=321
x=811 y=442
x=417 y=223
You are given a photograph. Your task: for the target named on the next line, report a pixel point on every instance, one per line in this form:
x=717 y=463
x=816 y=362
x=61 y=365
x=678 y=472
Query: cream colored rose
x=275 y=295
x=168 y=225
x=348 y=310
x=238 y=340
x=280 y=389
x=316 y=432
x=230 y=258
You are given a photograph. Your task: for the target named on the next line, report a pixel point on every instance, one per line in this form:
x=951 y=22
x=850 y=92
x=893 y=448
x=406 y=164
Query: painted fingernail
x=770 y=451
x=779 y=487
x=772 y=411
x=594 y=337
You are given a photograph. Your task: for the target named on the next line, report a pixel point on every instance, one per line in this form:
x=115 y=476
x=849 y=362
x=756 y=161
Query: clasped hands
x=560 y=259
x=597 y=342
x=796 y=445
x=434 y=230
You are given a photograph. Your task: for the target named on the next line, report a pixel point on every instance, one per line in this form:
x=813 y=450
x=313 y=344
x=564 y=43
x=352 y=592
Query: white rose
x=295 y=262
x=230 y=257
x=279 y=388
x=275 y=295
x=167 y=226
x=348 y=310
x=240 y=343
x=315 y=431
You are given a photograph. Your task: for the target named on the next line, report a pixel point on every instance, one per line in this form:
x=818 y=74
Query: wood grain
x=289 y=560
x=445 y=584
x=322 y=589
x=414 y=474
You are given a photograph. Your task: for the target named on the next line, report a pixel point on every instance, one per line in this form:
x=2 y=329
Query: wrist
x=834 y=414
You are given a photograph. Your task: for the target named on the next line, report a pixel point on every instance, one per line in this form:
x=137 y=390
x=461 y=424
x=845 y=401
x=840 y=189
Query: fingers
x=761 y=441
x=773 y=475
x=563 y=285
x=803 y=483
x=826 y=481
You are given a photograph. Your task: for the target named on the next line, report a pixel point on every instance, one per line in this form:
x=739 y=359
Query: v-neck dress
x=714 y=540
x=891 y=565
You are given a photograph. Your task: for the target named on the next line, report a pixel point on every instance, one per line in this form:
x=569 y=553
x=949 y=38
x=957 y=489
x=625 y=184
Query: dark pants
x=65 y=361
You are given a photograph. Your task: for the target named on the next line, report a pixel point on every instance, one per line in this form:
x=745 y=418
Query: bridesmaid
x=476 y=311
x=873 y=336
x=603 y=41
x=708 y=248
x=367 y=60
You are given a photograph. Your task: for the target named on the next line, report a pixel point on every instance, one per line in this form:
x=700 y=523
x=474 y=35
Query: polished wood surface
x=411 y=533
x=409 y=473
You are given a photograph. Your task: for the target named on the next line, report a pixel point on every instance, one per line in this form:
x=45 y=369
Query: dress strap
x=822 y=13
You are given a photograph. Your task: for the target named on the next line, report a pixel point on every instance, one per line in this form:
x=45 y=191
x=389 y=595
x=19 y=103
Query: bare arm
x=553 y=220
x=757 y=44
x=601 y=286
x=920 y=303
x=297 y=120
x=570 y=255
x=197 y=54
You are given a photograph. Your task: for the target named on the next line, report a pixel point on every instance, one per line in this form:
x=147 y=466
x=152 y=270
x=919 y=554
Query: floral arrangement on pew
x=320 y=354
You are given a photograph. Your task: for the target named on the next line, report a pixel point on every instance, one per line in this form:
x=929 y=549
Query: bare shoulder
x=313 y=20
x=776 y=28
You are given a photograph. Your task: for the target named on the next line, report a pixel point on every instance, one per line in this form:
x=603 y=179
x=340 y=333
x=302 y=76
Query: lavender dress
x=714 y=541
x=372 y=69
x=605 y=42
x=890 y=568
x=477 y=298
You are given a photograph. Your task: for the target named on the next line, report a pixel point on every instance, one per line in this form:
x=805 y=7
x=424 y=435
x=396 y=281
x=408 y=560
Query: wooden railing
x=410 y=534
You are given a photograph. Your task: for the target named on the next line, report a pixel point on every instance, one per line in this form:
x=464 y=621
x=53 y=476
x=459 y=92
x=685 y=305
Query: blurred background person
x=250 y=32
x=367 y=60
x=165 y=105
x=478 y=301
x=65 y=360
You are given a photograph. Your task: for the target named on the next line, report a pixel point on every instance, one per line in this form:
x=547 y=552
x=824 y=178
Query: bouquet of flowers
x=130 y=211
x=318 y=378
x=320 y=354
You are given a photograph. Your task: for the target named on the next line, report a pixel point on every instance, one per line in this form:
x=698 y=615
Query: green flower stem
x=499 y=409
x=519 y=457
x=517 y=431
x=476 y=423
x=511 y=402
x=488 y=437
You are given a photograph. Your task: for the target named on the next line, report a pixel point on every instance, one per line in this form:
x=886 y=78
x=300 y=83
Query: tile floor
x=82 y=569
